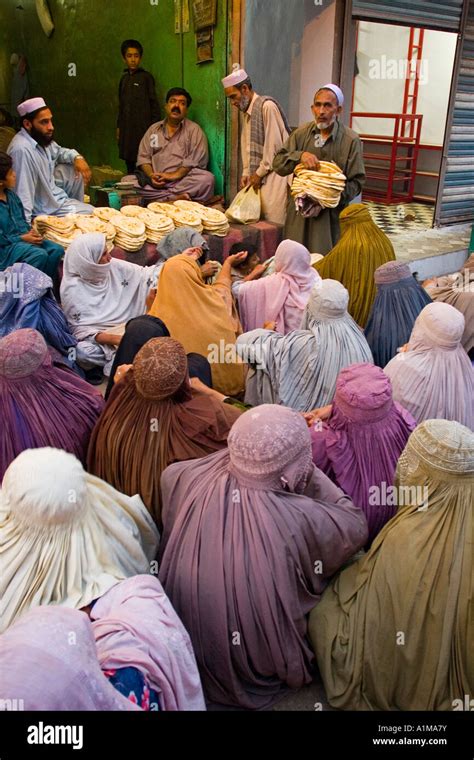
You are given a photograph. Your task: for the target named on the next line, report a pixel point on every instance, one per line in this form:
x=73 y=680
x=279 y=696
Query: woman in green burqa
x=363 y=247
x=394 y=631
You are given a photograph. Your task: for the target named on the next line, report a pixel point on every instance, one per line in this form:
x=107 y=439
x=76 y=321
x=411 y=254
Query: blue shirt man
x=50 y=179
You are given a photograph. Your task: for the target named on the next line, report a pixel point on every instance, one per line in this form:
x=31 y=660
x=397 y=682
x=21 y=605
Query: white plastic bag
x=246 y=206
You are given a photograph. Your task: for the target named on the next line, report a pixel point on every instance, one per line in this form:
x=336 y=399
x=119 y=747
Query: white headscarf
x=98 y=297
x=66 y=537
x=434 y=378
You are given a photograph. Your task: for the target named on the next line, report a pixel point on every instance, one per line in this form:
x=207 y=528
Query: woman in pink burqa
x=251 y=537
x=281 y=297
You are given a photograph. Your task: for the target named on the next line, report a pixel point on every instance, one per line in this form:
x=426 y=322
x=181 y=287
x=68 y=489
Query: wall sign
x=204 y=14
x=205 y=19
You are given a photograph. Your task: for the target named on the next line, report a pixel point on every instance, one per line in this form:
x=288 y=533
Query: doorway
x=400 y=98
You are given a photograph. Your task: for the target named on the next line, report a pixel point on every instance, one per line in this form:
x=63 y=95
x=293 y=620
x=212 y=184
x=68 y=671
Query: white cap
x=28 y=106
x=237 y=77
x=336 y=90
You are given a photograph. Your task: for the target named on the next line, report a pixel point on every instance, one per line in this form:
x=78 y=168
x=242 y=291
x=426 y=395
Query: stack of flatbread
x=323 y=186
x=182 y=218
x=157 y=226
x=105 y=213
x=58 y=229
x=130 y=233
x=89 y=223
x=212 y=220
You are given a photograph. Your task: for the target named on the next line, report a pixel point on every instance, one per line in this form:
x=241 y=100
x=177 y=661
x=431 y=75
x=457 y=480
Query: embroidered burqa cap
x=392 y=271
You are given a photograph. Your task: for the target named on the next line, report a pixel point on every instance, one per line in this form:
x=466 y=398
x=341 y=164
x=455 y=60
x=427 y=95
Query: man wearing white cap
x=50 y=179
x=264 y=131
x=324 y=139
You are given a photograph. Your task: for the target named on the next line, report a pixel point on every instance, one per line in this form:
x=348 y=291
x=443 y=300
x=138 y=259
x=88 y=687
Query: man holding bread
x=324 y=139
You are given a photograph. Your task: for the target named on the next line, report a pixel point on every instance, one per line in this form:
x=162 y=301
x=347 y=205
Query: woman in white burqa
x=99 y=296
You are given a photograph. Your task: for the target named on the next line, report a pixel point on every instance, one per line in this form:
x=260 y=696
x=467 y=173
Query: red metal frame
x=410 y=96
x=354 y=79
x=406 y=132
x=406 y=174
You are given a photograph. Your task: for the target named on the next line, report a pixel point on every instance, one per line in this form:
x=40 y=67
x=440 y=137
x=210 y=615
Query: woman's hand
x=198 y=385
x=236 y=258
x=195 y=252
x=315 y=415
x=209 y=269
x=150 y=299
x=121 y=372
x=108 y=339
x=269 y=325
x=256 y=273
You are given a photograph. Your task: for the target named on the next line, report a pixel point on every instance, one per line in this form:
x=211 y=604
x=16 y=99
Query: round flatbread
x=105 y=213
x=132 y=210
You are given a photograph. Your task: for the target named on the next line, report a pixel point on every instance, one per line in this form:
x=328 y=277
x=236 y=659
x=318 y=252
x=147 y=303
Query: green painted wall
x=7 y=47
x=88 y=34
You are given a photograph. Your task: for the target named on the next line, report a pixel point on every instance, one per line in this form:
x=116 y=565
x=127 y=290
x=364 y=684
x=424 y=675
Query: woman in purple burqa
x=251 y=537
x=27 y=300
x=42 y=405
x=359 y=445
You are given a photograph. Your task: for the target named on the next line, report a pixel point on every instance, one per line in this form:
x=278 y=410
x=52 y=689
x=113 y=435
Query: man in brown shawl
x=324 y=139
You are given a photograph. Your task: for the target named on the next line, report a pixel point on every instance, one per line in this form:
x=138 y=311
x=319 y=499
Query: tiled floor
x=394 y=219
x=423 y=243
x=432 y=251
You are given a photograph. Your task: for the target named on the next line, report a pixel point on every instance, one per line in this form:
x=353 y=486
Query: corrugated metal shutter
x=456 y=195
x=431 y=14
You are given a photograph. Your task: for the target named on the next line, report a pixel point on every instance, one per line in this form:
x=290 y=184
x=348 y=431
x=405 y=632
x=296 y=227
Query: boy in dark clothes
x=138 y=104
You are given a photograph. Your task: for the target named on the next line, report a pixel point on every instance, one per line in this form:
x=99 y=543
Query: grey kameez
x=320 y=234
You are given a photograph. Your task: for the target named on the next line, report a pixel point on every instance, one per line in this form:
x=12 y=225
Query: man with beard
x=264 y=131
x=173 y=155
x=324 y=139
x=50 y=179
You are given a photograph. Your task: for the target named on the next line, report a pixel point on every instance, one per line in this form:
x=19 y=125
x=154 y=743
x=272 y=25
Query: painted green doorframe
x=203 y=81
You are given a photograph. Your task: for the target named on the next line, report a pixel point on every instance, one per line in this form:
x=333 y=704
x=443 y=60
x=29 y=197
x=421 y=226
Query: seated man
x=173 y=154
x=50 y=179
